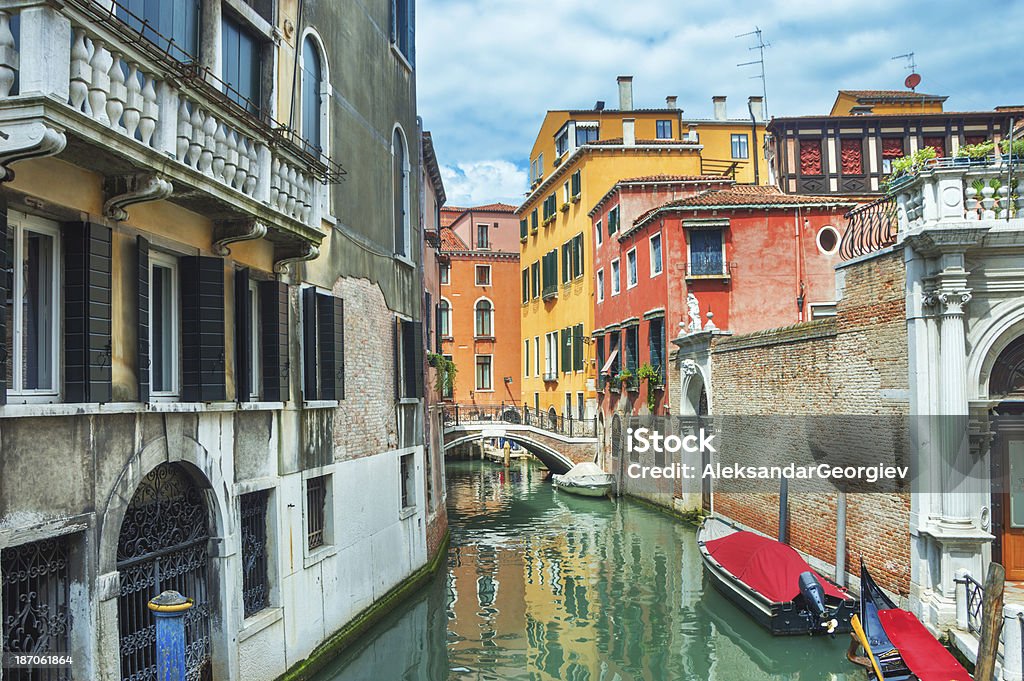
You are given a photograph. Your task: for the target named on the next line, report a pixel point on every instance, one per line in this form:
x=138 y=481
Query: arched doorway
x=1006 y=384
x=163 y=545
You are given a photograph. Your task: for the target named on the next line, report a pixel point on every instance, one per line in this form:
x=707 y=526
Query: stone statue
x=694 y=308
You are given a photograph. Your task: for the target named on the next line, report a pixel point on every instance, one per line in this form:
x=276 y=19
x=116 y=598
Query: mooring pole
x=991 y=623
x=169 y=608
x=784 y=510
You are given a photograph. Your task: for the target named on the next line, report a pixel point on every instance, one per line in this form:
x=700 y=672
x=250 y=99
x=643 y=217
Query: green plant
x=978 y=185
x=1018 y=148
x=444 y=381
x=976 y=151
x=648 y=373
x=995 y=183
x=624 y=376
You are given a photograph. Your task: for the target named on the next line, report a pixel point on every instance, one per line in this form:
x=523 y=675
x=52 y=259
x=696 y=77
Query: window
x=524 y=228
x=533 y=221
x=323 y=346
x=484 y=371
x=562 y=142
x=164 y=322
x=410 y=352
x=400 y=188
x=565 y=195
x=535 y=279
x=706 y=252
x=739 y=146
x=599 y=354
x=579 y=405
x=566 y=262
x=632 y=348
x=33 y=303
x=407 y=475
x=631 y=274
x=598 y=226
x=316 y=503
x=614 y=360
x=550 y=207
x=656 y=263
x=577 y=256
x=664 y=130
x=568 y=405
x=851 y=156
x=482 y=242
x=483 y=275
x=549 y=272
x=892 y=149
x=255 y=356
x=600 y=285
x=312 y=94
x=810 y=157
x=445 y=273
x=444 y=318
x=403 y=28
x=828 y=239
x=243 y=65
x=575 y=185
x=526 y=358
x=550 y=356
x=613 y=220
x=536 y=355
x=526 y=284
x=615 y=277
x=484 y=318
x=449 y=386
x=35 y=594
x=565 y=336
x=177 y=20
x=586 y=133
x=656 y=343
x=255 y=581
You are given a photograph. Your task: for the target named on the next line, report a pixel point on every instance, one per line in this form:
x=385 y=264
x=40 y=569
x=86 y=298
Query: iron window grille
x=255 y=590
x=316 y=499
x=35 y=595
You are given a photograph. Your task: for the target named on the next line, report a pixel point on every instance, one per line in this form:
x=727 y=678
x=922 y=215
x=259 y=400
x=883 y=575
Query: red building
x=674 y=251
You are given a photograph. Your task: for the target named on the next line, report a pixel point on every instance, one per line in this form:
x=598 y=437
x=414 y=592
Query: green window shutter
x=575 y=183
x=566 y=336
x=523 y=229
x=526 y=285
x=566 y=262
x=577 y=255
x=533 y=220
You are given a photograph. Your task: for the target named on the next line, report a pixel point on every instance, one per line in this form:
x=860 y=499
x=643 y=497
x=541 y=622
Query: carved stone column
x=956 y=497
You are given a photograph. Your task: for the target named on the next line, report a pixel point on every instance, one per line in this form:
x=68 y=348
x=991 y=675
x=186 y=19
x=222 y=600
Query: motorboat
x=585 y=479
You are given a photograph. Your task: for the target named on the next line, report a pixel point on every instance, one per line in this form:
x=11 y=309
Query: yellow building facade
x=578 y=155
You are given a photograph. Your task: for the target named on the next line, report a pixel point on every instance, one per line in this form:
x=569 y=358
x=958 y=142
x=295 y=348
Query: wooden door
x=1011 y=534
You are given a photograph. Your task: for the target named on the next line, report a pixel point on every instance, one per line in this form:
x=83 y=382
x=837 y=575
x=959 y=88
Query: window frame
x=691 y=271
x=324 y=517
x=444 y=322
x=613 y=225
x=406 y=253
x=632 y=268
x=490 y=371
x=324 y=95
x=615 y=270
x=661 y=254
x=19 y=223
x=743 y=141
x=255 y=343
x=599 y=225
x=658 y=125
x=599 y=284
x=490 y=317
x=171 y=263
x=536 y=355
x=477 y=269
x=444 y=274
x=838 y=237
x=486 y=244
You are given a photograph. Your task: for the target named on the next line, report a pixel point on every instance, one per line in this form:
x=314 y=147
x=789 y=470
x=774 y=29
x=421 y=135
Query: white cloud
x=475 y=183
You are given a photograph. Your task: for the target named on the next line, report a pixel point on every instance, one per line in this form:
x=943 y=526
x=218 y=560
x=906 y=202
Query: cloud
x=487 y=70
x=474 y=183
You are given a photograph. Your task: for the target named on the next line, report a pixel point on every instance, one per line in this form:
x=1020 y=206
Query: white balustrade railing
x=134 y=98
x=948 y=193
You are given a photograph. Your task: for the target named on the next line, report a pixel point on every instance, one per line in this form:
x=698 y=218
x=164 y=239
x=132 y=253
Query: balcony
x=708 y=267
x=550 y=376
x=80 y=83
x=550 y=291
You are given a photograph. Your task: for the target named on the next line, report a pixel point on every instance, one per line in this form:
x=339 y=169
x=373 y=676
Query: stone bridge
x=558 y=443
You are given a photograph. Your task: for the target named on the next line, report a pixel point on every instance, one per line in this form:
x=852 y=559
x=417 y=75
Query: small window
x=243 y=65
x=484 y=319
x=599 y=236
x=615 y=277
x=316 y=506
x=484 y=373
x=706 y=256
x=407 y=473
x=535 y=279
x=613 y=220
x=577 y=256
x=312 y=95
x=562 y=142
x=482 y=240
x=600 y=285
x=579 y=405
x=403 y=28
x=631 y=273
x=255 y=552
x=536 y=355
x=828 y=239
x=400 y=193
x=585 y=134
x=444 y=318
x=656 y=262
x=164 y=320
x=526 y=358
x=483 y=275
x=526 y=285
x=576 y=185
x=664 y=130
x=445 y=272
x=739 y=146
x=822 y=310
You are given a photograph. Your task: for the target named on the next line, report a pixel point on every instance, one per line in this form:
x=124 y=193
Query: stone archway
x=163 y=544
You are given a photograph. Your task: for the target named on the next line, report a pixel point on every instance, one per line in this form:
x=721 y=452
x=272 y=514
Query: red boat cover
x=770 y=567
x=924 y=656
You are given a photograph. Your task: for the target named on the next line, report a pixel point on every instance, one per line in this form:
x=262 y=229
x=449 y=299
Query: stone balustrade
x=143 y=100
x=949 y=192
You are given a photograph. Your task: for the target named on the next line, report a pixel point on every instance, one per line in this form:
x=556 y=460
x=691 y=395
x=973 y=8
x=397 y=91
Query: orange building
x=478 y=313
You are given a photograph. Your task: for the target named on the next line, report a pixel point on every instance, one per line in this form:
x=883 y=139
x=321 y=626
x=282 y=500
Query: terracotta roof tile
x=618 y=140
x=494 y=208
x=674 y=178
x=450 y=241
x=892 y=95
x=749 y=195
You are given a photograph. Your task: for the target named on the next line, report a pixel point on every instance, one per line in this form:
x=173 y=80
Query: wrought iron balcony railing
x=708 y=266
x=870 y=228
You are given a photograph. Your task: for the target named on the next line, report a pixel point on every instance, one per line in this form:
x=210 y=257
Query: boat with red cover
x=771 y=582
x=898 y=646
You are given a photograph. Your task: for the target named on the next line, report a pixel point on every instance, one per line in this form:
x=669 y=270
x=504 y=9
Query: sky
x=487 y=70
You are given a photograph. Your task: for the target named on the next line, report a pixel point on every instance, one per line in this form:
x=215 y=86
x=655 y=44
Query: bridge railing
x=474 y=414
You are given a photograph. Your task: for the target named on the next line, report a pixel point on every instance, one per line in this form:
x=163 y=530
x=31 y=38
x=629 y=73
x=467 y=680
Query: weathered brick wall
x=853 y=364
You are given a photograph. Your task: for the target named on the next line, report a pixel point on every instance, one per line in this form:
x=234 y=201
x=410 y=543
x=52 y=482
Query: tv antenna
x=761 y=44
x=911 y=64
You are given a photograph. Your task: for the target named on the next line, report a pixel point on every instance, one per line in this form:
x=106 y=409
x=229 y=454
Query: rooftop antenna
x=913 y=80
x=761 y=44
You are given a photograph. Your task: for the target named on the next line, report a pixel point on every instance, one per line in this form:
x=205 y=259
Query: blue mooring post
x=169 y=608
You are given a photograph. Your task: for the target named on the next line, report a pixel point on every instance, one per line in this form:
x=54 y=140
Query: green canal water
x=541 y=585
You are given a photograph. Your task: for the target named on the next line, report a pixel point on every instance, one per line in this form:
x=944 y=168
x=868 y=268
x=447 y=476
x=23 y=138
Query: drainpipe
x=753 y=150
x=841 y=538
x=784 y=510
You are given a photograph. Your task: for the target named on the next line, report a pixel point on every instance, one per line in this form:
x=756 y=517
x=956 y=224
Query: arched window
x=400 y=170
x=312 y=85
x=484 y=317
x=444 y=318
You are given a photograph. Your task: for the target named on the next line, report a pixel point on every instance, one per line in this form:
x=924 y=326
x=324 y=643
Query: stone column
x=45 y=57
x=956 y=500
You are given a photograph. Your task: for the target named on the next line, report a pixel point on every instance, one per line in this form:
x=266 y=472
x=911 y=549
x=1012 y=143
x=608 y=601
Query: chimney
x=625 y=93
x=756 y=106
x=629 y=132
x=719 y=102
x=670 y=102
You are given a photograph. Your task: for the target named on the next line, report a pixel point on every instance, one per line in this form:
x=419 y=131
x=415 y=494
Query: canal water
x=543 y=586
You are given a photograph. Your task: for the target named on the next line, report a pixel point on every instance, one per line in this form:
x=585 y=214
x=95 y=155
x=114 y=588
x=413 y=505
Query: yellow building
x=853 y=102
x=577 y=157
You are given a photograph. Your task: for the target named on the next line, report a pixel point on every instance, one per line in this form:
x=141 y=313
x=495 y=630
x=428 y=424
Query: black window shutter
x=202 y=329
x=398 y=360
x=437 y=325
x=87 y=309
x=142 y=304
x=243 y=336
x=412 y=348
x=4 y=284
x=566 y=338
x=329 y=344
x=274 y=340
x=309 y=350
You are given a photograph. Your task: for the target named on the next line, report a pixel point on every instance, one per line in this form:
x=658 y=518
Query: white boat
x=586 y=479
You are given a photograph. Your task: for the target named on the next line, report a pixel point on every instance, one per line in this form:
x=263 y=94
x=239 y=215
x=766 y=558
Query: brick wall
x=853 y=364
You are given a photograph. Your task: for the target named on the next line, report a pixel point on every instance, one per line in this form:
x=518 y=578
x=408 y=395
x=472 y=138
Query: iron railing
x=870 y=228
x=472 y=414
x=708 y=266
x=975 y=594
x=255 y=593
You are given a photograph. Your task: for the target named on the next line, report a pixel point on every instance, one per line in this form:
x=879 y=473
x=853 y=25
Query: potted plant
x=625 y=378
x=648 y=373
x=973 y=192
x=907 y=166
x=444 y=381
x=1017 y=151
x=975 y=152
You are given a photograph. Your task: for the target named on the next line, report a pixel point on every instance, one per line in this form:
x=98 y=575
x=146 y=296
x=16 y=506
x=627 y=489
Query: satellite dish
x=912 y=81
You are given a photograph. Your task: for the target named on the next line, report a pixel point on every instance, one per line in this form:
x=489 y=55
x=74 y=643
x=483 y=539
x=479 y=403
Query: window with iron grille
x=34 y=596
x=255 y=589
x=316 y=500
x=408 y=487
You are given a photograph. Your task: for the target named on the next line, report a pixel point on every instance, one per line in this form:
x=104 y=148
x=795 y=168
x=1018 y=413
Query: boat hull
x=600 y=490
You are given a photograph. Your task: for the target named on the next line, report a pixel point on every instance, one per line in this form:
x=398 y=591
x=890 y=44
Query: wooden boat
x=585 y=479
x=771 y=582
x=898 y=646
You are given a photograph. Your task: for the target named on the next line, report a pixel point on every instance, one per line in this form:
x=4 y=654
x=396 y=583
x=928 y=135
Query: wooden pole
x=991 y=623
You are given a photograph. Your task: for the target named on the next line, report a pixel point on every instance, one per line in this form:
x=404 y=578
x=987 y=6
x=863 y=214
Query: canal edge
x=304 y=669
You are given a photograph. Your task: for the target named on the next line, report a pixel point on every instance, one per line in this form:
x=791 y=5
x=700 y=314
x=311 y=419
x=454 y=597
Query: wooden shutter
x=411 y=27
x=274 y=340
x=202 y=329
x=330 y=320
x=142 y=307
x=412 y=350
x=87 y=312
x=243 y=336
x=577 y=347
x=309 y=350
x=438 y=311
x=566 y=339
x=5 y=284
x=395 y=335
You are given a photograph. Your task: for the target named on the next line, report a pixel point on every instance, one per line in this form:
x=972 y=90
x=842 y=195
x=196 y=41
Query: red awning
x=924 y=655
x=611 y=359
x=767 y=566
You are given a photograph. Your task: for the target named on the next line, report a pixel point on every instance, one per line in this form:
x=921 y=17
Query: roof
x=658 y=179
x=493 y=208
x=618 y=140
x=450 y=241
x=1001 y=112
x=449 y=214
x=433 y=171
x=893 y=96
